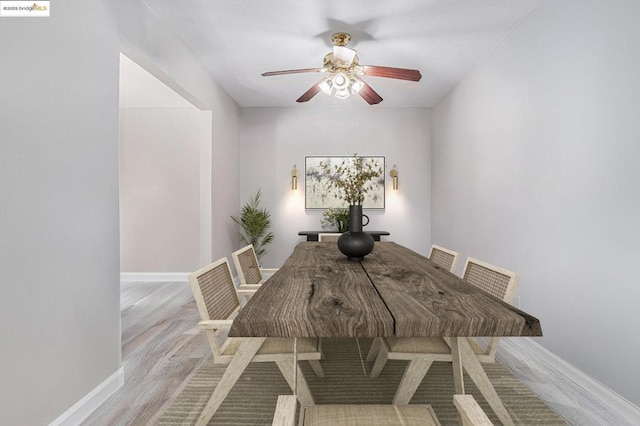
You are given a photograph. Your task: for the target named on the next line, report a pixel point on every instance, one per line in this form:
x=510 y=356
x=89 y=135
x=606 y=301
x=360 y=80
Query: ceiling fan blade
x=343 y=55
x=391 y=72
x=368 y=94
x=267 y=74
x=310 y=93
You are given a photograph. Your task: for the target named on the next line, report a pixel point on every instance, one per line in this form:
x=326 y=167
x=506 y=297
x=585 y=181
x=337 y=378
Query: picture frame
x=319 y=195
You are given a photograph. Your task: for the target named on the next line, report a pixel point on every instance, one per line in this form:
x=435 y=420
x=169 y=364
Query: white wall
x=160 y=188
x=59 y=255
x=274 y=139
x=59 y=297
x=225 y=175
x=535 y=169
x=150 y=44
x=163 y=139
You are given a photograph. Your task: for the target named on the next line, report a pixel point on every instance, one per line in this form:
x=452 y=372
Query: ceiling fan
x=345 y=73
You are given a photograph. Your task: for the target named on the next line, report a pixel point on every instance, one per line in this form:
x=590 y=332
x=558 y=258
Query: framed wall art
x=318 y=193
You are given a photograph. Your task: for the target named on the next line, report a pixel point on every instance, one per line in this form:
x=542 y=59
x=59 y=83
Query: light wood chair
x=248 y=268
x=324 y=237
x=352 y=415
x=470 y=411
x=217 y=301
x=445 y=258
x=496 y=281
x=422 y=352
x=348 y=415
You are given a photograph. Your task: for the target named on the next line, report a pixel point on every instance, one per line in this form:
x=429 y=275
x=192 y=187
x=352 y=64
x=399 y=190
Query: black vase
x=356 y=244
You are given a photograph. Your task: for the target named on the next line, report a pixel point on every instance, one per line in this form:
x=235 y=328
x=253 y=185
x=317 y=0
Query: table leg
x=469 y=360
x=411 y=379
x=245 y=353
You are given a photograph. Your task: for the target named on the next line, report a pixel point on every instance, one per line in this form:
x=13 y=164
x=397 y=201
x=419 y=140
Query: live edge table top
x=393 y=291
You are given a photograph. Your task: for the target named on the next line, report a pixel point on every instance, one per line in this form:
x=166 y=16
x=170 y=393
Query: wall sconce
x=394 y=176
x=294 y=178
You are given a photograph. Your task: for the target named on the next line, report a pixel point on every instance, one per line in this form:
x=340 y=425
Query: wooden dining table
x=393 y=291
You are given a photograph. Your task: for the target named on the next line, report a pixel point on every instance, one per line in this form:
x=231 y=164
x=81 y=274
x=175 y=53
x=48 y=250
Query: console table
x=313 y=235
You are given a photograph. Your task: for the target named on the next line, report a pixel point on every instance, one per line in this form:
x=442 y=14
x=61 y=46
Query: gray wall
x=59 y=302
x=535 y=169
x=274 y=139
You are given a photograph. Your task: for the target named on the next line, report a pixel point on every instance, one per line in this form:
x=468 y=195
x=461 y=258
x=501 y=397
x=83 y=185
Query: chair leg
x=242 y=358
x=303 y=393
x=285 y=414
x=479 y=377
x=374 y=349
x=413 y=375
x=317 y=367
x=381 y=360
x=456 y=363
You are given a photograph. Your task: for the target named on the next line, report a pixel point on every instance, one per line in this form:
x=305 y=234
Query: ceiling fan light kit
x=345 y=74
x=340 y=85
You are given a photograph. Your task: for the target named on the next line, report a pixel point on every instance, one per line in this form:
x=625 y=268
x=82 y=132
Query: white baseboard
x=154 y=277
x=88 y=404
x=618 y=404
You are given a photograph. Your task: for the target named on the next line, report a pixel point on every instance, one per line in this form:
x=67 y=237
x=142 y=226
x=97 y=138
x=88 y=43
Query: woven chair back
x=247 y=264
x=214 y=291
x=491 y=279
x=444 y=258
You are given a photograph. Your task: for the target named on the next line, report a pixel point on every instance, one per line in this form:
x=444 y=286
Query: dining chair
x=328 y=236
x=445 y=258
x=496 y=281
x=218 y=302
x=360 y=415
x=350 y=414
x=248 y=268
x=423 y=351
x=470 y=411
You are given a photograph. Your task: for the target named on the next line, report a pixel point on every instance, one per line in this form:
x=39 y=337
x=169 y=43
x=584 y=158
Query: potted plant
x=335 y=218
x=255 y=222
x=351 y=180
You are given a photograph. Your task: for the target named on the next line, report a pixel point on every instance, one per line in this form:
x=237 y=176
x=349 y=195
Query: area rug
x=253 y=399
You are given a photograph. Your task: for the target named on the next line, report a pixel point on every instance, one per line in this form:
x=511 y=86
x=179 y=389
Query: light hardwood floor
x=161 y=349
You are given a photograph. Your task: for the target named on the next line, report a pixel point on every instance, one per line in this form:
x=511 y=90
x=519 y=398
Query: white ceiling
x=139 y=89
x=237 y=40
